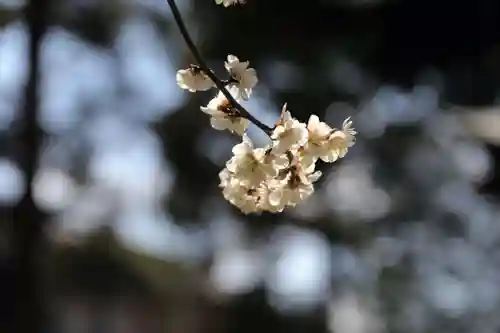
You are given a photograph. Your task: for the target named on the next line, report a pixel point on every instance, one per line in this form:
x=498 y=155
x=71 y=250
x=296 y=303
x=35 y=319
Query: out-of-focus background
x=132 y=234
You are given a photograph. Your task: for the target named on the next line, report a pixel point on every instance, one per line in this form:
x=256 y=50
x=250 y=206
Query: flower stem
x=203 y=65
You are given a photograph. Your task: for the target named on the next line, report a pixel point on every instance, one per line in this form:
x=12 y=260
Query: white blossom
x=244 y=197
x=318 y=135
x=241 y=196
x=193 y=79
x=289 y=133
x=227 y=3
x=252 y=166
x=224 y=116
x=326 y=143
x=246 y=78
x=339 y=142
x=272 y=199
x=296 y=187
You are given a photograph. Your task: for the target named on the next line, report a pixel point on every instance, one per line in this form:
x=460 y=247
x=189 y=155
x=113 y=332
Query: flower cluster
x=282 y=174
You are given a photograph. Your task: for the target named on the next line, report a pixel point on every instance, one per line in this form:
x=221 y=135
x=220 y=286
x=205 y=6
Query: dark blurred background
x=123 y=228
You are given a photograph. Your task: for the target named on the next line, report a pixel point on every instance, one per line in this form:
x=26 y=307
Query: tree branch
x=203 y=65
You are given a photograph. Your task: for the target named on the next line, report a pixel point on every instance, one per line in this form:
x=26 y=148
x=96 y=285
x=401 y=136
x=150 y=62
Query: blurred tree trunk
x=27 y=218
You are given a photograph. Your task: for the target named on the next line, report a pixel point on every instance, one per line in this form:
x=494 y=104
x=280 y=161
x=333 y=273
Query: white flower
x=289 y=133
x=339 y=142
x=243 y=197
x=246 y=77
x=272 y=199
x=318 y=134
x=193 y=79
x=227 y=3
x=315 y=147
x=336 y=147
x=298 y=186
x=326 y=143
x=246 y=198
x=224 y=116
x=252 y=166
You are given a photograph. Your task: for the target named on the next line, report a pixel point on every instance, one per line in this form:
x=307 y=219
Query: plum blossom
x=339 y=142
x=242 y=196
x=245 y=78
x=326 y=143
x=223 y=116
x=253 y=166
x=289 y=133
x=193 y=79
x=296 y=186
x=319 y=132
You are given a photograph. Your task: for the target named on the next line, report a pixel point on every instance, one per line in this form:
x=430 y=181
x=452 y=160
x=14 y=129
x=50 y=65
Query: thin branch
x=203 y=65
